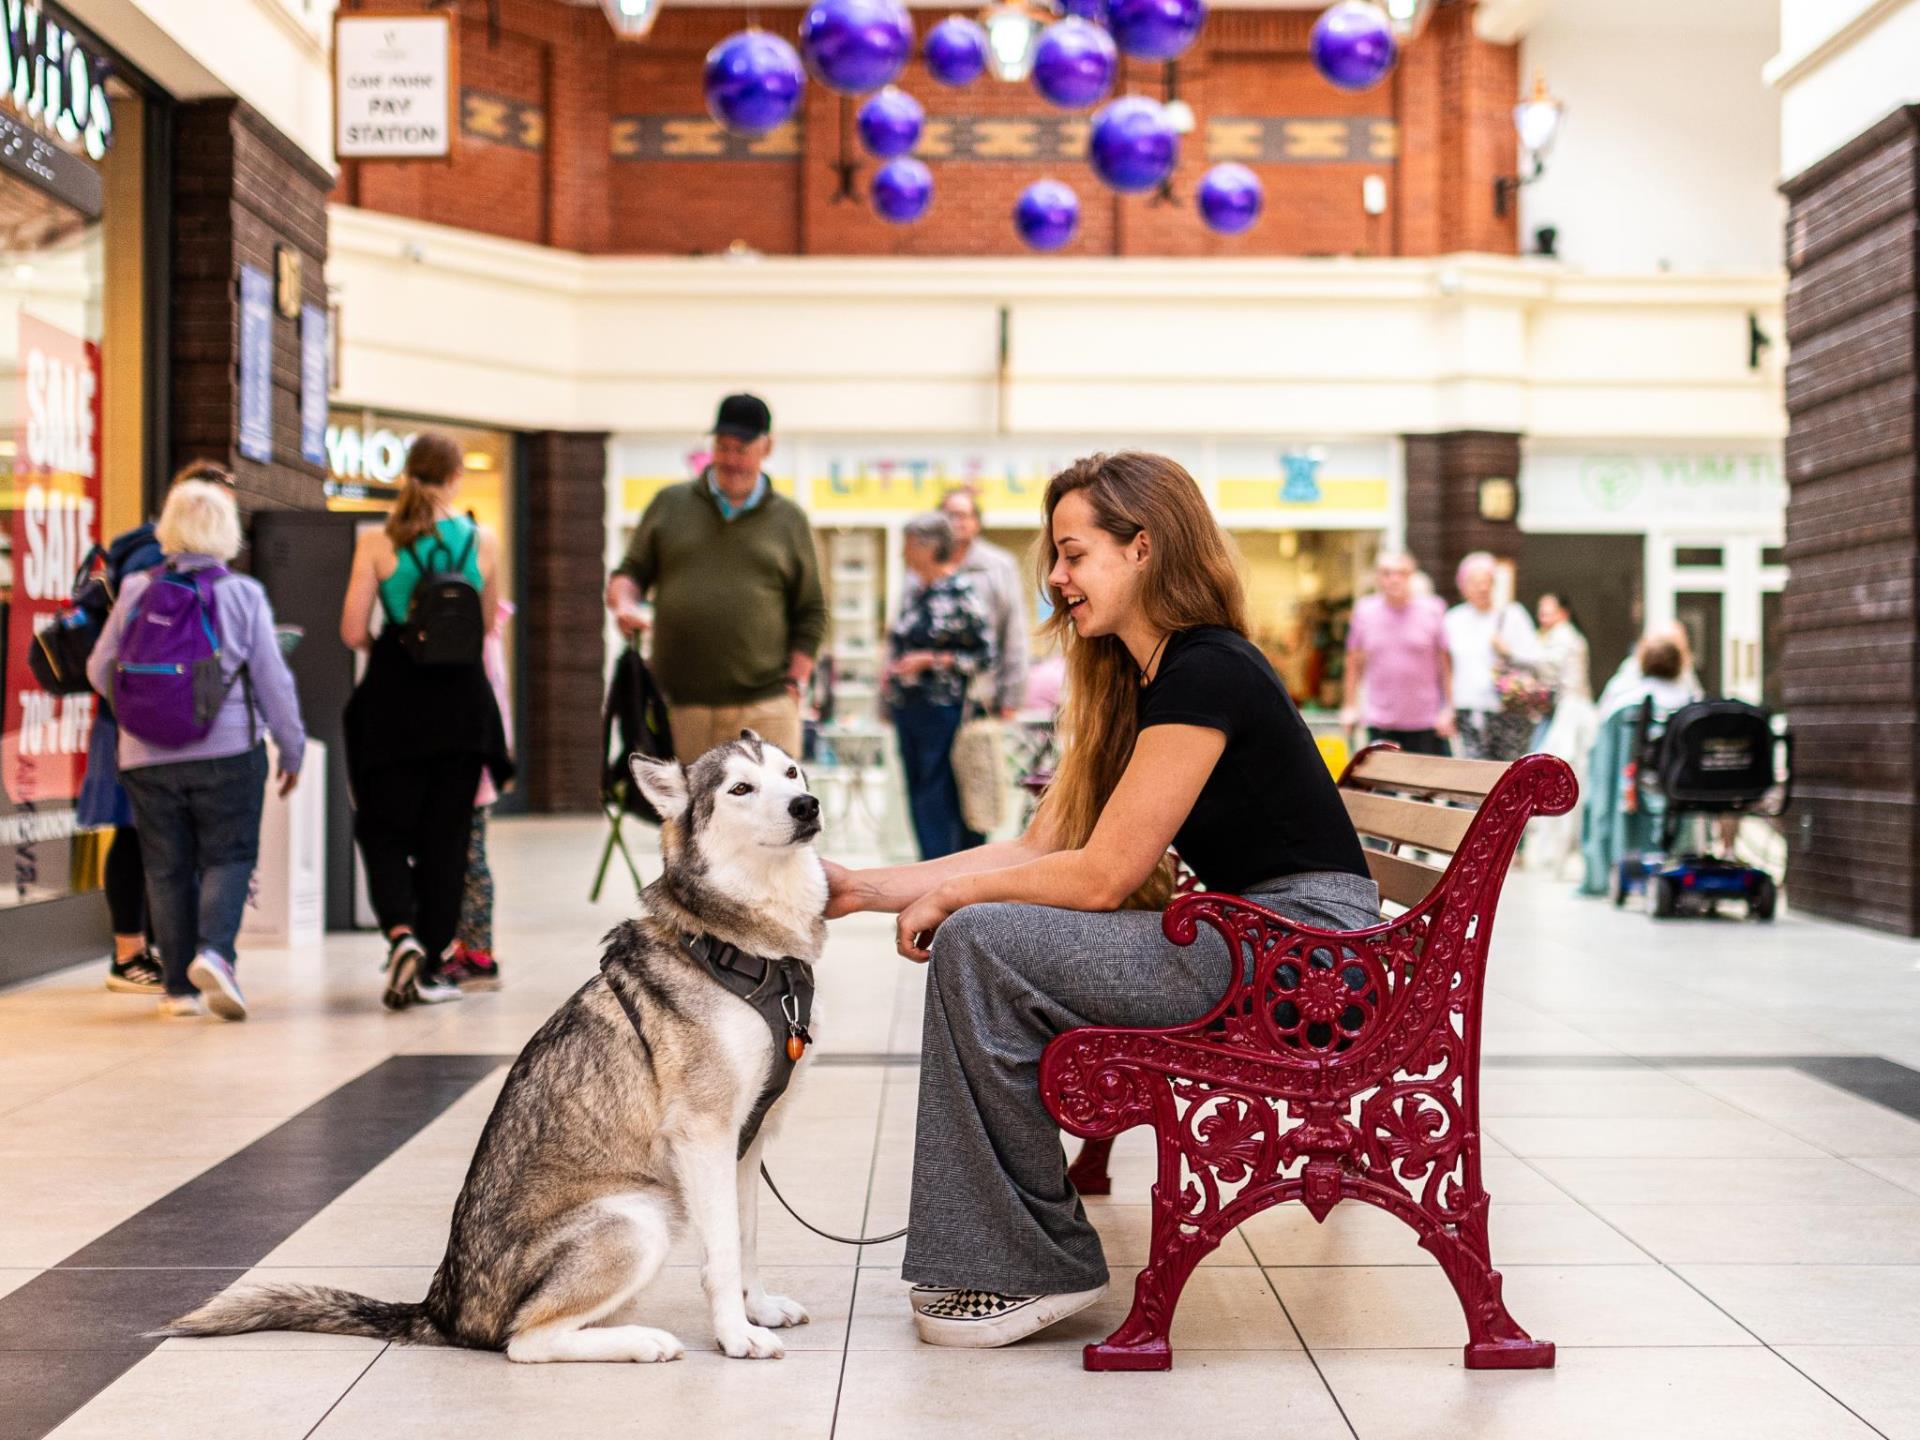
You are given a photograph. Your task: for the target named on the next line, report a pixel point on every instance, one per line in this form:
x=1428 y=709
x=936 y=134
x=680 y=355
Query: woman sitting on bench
x=1178 y=734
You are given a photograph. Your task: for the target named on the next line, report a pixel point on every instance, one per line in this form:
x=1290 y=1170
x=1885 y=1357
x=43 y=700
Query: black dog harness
x=780 y=989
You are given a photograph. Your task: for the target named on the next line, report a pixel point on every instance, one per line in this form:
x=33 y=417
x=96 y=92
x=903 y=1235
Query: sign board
x=256 y=364
x=394 y=91
x=314 y=373
x=1600 y=492
x=55 y=112
x=55 y=521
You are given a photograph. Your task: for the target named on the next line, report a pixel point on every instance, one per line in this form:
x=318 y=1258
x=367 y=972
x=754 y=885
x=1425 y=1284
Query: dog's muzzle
x=805 y=810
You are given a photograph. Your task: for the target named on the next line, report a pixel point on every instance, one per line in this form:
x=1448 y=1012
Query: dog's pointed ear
x=663 y=782
x=750 y=735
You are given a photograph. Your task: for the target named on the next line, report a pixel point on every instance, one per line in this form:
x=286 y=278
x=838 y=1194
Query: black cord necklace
x=1147 y=669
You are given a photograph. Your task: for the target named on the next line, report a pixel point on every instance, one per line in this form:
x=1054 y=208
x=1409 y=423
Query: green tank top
x=439 y=550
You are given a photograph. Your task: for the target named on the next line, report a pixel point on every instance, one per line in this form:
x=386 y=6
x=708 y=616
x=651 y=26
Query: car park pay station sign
x=393 y=86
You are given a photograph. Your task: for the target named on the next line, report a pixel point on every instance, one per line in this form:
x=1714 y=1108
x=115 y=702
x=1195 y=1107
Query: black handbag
x=59 y=653
x=634 y=722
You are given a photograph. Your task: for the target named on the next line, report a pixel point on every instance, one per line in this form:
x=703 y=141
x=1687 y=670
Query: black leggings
x=413 y=822
x=126 y=883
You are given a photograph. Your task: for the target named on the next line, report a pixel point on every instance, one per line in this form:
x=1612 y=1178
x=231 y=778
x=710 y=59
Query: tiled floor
x=1693 y=1197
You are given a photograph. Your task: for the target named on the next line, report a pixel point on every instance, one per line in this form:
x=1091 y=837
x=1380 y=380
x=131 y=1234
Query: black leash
x=825 y=1235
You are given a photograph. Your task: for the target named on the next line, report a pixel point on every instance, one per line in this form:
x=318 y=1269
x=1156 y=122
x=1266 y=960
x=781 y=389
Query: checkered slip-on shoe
x=922 y=1296
x=983 y=1320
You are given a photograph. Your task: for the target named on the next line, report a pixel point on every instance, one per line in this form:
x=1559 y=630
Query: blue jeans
x=933 y=795
x=199 y=824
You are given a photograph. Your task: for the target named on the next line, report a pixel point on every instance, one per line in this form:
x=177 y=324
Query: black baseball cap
x=745 y=417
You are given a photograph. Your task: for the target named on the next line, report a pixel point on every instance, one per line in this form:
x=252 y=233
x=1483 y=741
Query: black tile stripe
x=69 y=1333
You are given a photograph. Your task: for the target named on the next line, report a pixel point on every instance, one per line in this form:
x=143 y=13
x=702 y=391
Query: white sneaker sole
x=401 y=969
x=1031 y=1318
x=121 y=985
x=222 y=994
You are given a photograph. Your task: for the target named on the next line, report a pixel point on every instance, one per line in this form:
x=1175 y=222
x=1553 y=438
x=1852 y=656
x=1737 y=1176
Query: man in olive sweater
x=738 y=610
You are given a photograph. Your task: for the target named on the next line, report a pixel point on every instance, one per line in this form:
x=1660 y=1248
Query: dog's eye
x=741 y=789
x=793 y=772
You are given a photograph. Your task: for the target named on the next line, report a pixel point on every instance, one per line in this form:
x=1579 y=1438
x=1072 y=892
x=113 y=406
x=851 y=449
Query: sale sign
x=55 y=521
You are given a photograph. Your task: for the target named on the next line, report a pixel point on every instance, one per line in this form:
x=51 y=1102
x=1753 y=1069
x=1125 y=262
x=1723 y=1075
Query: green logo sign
x=1611 y=482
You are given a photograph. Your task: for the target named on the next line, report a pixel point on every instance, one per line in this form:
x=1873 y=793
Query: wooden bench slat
x=1410 y=822
x=1438 y=774
x=1404 y=882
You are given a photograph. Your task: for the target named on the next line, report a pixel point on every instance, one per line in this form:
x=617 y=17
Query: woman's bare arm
x=1170 y=766
x=891 y=888
x=356 y=611
x=489 y=548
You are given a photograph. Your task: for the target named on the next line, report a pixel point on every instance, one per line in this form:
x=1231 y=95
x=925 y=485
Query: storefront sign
x=56 y=520
x=1303 y=485
x=1632 y=492
x=393 y=86
x=256 y=364
x=358 y=456
x=313 y=385
x=60 y=111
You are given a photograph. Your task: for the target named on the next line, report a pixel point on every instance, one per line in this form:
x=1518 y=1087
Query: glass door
x=1725 y=591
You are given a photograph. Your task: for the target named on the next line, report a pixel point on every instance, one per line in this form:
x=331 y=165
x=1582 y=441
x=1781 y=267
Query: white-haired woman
x=197 y=804
x=1482 y=637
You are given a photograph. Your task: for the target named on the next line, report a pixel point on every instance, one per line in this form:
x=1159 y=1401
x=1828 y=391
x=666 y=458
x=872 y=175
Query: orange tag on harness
x=796 y=1047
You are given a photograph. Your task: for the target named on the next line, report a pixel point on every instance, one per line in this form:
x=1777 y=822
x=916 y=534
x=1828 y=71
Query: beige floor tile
x=1602 y=1394
x=1772 y=1234
x=1739 y=1138
x=1879 y=1383
x=420 y=1394
x=57 y=1128
x=1508 y=1093
x=1401 y=1307
x=1679 y=1180
x=41 y=1238
x=1361 y=1234
x=1817 y=1304
x=1222 y=1308
x=362 y=1236
x=1036 y=1394
x=390 y=1282
x=13 y=1279
x=1852 y=1127
x=676 y=1302
x=132 y=1181
x=1902 y=1170
x=226 y=1394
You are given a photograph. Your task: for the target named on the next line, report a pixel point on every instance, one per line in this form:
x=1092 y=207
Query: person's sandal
x=985 y=1320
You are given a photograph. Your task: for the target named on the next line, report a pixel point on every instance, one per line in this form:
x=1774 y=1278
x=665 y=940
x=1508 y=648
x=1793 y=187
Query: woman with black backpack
x=423 y=722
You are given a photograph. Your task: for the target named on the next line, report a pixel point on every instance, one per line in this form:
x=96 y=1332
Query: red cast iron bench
x=1338 y=1066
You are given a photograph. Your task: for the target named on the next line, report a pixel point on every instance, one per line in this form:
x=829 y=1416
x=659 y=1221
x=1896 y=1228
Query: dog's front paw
x=776 y=1312
x=750 y=1342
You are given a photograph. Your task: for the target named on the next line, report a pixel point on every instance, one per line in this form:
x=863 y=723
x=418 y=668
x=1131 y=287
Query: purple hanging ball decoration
x=956 y=51
x=1132 y=146
x=753 y=82
x=854 y=46
x=1047 y=214
x=1094 y=10
x=1230 y=198
x=1155 y=29
x=1074 y=64
x=1352 y=45
x=890 y=122
x=902 y=190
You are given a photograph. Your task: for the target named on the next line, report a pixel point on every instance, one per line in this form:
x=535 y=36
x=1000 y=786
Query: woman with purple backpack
x=190 y=661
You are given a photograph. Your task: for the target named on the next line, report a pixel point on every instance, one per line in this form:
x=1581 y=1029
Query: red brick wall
x=626 y=161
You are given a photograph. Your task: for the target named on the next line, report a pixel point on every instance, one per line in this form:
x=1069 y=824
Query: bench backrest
x=1412 y=812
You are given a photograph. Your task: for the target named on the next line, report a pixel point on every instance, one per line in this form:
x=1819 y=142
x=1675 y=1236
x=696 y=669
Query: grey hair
x=1475 y=560
x=935 y=531
x=199 y=519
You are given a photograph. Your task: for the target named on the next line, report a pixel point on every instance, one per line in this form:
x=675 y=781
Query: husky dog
x=637 y=1105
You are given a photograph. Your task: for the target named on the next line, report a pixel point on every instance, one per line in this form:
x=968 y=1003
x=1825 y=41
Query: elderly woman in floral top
x=937 y=645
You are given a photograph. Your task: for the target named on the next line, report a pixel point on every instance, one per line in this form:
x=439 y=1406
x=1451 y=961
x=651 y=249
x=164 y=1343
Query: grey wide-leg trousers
x=992 y=1206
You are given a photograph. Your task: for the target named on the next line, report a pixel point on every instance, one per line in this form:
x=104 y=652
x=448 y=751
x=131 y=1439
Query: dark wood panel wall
x=1444 y=523
x=561 y=654
x=1853 y=529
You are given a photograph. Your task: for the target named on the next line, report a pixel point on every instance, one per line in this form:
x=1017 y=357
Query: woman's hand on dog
x=913 y=934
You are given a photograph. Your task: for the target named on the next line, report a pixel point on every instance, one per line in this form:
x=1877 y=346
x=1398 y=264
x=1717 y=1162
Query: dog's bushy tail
x=317 y=1308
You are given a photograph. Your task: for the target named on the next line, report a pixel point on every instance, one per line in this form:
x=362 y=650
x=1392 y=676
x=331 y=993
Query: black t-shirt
x=1269 y=808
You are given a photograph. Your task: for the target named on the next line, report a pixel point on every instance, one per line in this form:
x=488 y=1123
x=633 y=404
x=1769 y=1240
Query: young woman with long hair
x=1177 y=733
x=418 y=736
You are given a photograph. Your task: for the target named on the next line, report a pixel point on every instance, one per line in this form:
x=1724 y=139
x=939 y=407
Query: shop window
x=1692 y=557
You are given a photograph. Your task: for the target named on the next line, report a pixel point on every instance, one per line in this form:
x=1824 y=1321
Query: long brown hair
x=1190 y=580
x=433 y=460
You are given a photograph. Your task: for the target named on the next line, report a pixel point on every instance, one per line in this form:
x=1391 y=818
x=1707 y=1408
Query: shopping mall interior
x=578 y=380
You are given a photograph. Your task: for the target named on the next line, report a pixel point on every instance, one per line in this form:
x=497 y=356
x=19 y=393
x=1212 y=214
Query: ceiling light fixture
x=631 y=19
x=1013 y=31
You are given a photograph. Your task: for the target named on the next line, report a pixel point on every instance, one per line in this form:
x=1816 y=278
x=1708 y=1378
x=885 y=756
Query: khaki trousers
x=698 y=728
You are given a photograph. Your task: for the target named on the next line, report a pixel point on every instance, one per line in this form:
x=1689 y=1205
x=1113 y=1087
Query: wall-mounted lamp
x=1013 y=32
x=1408 y=17
x=1537 y=119
x=1757 y=340
x=631 y=19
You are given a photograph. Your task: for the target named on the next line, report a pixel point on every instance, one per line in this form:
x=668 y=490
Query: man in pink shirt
x=1397 y=659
